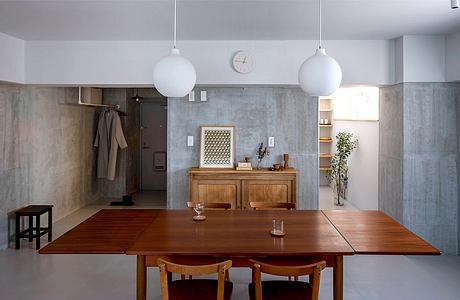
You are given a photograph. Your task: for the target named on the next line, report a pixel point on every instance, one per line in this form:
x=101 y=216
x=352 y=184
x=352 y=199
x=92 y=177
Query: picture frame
x=217 y=146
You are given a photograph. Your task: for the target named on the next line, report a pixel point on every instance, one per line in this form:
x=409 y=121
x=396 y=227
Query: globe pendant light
x=320 y=74
x=174 y=75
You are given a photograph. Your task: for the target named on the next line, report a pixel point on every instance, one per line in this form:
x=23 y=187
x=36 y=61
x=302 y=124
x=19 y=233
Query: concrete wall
x=430 y=162
x=363 y=167
x=285 y=113
x=419 y=125
x=131 y=62
x=11 y=59
x=452 y=57
x=391 y=151
x=46 y=152
x=458 y=170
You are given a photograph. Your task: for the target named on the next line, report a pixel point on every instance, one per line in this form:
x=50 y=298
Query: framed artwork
x=217 y=148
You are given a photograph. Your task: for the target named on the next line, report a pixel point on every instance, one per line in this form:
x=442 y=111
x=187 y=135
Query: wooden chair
x=203 y=289
x=214 y=205
x=284 y=289
x=272 y=205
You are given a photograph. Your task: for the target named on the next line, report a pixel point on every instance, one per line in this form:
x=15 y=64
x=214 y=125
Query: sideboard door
x=209 y=191
x=267 y=191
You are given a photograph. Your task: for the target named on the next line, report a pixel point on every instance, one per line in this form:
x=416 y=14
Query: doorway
x=352 y=114
x=153 y=125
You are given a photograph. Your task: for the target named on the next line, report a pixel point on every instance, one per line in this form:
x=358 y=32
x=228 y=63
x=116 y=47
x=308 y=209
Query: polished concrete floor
x=24 y=274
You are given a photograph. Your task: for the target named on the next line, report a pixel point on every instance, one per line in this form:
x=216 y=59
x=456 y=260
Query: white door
x=153 y=144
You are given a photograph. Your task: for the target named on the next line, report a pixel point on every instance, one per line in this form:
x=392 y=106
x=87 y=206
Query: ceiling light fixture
x=174 y=75
x=320 y=74
x=454 y=4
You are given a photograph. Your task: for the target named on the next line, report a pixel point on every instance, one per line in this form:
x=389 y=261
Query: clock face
x=243 y=62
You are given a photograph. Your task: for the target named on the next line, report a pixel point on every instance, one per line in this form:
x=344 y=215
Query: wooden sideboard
x=241 y=187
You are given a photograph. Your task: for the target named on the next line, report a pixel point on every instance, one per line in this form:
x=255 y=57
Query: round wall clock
x=243 y=62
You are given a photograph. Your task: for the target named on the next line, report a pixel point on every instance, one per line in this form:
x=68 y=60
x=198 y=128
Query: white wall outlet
x=191 y=96
x=190 y=141
x=271 y=141
x=204 y=96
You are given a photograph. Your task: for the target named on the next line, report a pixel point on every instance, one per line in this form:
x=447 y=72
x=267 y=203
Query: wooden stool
x=34 y=211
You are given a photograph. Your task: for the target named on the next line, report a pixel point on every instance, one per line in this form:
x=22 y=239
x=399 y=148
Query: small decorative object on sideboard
x=261 y=153
x=276 y=167
x=244 y=166
x=286 y=161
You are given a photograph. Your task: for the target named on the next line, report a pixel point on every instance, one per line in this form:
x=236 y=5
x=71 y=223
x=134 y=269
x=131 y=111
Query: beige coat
x=109 y=137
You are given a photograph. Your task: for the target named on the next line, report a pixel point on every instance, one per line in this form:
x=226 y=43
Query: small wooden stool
x=34 y=211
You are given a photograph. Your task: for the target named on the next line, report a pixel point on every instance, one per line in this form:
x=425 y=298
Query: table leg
x=31 y=230
x=141 y=288
x=338 y=277
x=18 y=229
x=37 y=241
x=50 y=225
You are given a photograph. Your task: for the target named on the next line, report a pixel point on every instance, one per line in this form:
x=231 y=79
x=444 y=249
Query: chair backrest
x=313 y=270
x=167 y=267
x=272 y=205
x=212 y=205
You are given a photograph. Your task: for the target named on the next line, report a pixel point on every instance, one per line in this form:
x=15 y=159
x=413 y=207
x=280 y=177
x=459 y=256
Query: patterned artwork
x=216 y=147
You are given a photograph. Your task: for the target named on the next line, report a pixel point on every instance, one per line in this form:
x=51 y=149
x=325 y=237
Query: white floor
x=326 y=200
x=24 y=274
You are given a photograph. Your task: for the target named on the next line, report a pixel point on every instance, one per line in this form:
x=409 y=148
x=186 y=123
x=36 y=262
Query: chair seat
x=197 y=289
x=282 y=289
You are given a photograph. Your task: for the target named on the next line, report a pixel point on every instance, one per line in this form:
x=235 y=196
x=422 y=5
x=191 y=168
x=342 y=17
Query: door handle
x=146 y=147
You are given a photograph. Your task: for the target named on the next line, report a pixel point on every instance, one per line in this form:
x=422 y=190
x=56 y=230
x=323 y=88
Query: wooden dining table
x=239 y=235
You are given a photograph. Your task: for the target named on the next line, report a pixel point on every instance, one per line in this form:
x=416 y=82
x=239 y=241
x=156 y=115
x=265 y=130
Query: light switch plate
x=190 y=141
x=191 y=96
x=204 y=96
x=271 y=141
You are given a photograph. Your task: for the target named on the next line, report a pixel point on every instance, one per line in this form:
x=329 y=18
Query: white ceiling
x=225 y=19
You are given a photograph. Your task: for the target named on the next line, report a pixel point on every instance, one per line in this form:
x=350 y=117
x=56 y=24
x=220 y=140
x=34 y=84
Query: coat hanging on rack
x=109 y=137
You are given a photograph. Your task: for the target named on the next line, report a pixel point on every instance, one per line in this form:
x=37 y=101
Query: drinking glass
x=278 y=226
x=199 y=208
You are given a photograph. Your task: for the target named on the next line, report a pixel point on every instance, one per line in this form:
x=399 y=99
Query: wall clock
x=244 y=62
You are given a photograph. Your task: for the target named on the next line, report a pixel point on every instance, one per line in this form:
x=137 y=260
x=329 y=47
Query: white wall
x=11 y=59
x=453 y=57
x=131 y=62
x=420 y=58
x=363 y=162
x=399 y=59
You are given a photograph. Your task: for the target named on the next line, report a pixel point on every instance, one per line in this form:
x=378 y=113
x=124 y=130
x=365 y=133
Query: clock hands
x=242 y=61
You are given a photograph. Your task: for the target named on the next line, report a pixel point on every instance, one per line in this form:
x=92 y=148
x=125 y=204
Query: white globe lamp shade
x=320 y=74
x=174 y=75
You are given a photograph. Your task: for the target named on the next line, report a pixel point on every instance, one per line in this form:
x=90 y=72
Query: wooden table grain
x=374 y=232
x=109 y=231
x=239 y=235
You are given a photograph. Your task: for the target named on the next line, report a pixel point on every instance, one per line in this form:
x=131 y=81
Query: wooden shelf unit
x=325 y=145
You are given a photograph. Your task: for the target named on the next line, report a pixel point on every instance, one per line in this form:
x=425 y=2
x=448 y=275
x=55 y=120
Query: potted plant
x=338 y=174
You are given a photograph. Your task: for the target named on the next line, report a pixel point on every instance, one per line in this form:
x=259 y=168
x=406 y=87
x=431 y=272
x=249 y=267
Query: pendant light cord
x=319 y=12
x=175 y=22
